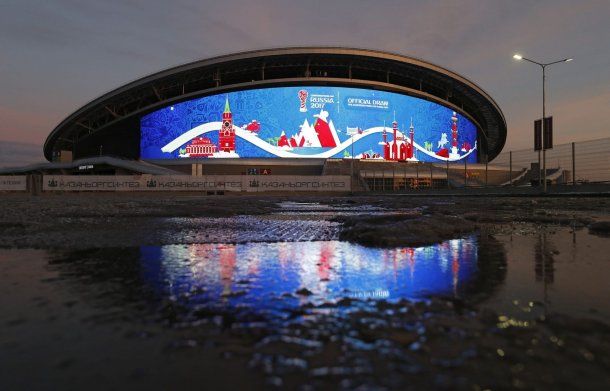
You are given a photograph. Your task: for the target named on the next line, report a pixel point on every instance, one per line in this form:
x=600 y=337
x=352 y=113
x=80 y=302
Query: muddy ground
x=118 y=220
x=441 y=343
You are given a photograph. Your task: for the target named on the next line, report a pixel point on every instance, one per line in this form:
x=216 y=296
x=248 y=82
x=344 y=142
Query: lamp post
x=519 y=57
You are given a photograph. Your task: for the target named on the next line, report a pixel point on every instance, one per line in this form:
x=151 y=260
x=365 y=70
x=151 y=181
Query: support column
x=539 y=170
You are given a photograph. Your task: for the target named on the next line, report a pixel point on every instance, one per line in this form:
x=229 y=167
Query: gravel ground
x=118 y=220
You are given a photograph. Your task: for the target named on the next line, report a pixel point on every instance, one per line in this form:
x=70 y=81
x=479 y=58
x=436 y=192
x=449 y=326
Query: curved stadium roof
x=284 y=66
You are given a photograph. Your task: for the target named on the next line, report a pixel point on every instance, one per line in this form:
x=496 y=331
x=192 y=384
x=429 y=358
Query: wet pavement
x=296 y=308
x=562 y=270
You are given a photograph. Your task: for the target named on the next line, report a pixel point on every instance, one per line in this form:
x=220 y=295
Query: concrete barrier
x=215 y=183
x=13 y=183
x=321 y=183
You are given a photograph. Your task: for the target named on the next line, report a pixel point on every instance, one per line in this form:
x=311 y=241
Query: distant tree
x=273 y=140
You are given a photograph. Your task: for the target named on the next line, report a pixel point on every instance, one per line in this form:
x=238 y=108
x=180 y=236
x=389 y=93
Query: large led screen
x=309 y=122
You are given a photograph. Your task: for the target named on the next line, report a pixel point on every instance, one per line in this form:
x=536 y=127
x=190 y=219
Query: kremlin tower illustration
x=226 y=135
x=201 y=147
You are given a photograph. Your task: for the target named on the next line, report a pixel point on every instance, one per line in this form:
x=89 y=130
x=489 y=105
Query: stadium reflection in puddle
x=271 y=275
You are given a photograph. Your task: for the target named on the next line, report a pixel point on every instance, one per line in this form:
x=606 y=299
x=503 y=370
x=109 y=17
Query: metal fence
x=407 y=176
x=589 y=160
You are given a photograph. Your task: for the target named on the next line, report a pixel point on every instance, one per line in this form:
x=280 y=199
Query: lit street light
x=519 y=57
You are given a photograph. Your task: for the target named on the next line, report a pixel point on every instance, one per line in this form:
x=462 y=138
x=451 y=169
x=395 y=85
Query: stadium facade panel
x=314 y=102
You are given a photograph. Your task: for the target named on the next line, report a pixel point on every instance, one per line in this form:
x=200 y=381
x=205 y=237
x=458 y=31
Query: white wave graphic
x=279 y=152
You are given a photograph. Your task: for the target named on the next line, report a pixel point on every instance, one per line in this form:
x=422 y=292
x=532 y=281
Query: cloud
x=56 y=56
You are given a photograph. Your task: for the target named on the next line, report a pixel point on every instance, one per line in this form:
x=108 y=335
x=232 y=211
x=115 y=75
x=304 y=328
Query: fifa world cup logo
x=303 y=98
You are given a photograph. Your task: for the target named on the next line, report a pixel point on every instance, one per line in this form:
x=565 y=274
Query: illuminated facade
x=332 y=122
x=113 y=124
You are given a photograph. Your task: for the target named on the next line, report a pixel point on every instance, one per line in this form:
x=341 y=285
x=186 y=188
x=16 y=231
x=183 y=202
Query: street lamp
x=519 y=57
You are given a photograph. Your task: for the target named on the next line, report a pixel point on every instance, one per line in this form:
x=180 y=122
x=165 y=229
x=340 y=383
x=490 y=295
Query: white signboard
x=13 y=183
x=249 y=183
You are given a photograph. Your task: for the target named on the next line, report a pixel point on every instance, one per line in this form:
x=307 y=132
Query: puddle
x=307 y=311
x=266 y=277
x=276 y=275
x=555 y=270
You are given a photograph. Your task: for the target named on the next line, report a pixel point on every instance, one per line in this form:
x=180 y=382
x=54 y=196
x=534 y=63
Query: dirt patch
x=115 y=219
x=601 y=228
x=403 y=230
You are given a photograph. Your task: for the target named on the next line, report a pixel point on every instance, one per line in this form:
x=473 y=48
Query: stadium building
x=288 y=111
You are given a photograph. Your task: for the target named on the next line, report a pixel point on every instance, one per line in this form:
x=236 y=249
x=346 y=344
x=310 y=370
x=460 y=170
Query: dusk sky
x=57 y=55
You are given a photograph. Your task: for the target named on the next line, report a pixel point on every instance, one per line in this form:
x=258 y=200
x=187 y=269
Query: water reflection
x=258 y=274
x=543 y=260
x=553 y=270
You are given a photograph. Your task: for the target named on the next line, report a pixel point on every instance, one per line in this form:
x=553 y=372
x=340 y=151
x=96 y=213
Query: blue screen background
x=278 y=109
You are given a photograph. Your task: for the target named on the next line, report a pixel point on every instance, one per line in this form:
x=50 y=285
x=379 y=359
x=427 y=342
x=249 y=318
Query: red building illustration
x=386 y=146
x=394 y=146
x=294 y=143
x=443 y=152
x=399 y=148
x=226 y=135
x=283 y=140
x=254 y=126
x=370 y=155
x=200 y=147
